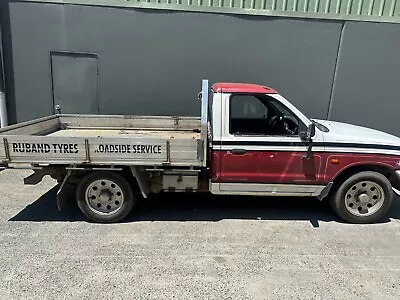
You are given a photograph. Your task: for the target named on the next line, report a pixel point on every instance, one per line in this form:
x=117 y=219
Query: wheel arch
x=342 y=199
x=137 y=177
x=349 y=171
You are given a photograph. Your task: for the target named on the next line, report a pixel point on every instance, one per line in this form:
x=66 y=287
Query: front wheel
x=105 y=197
x=363 y=198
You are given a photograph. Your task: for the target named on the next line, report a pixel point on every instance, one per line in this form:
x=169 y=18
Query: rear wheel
x=363 y=198
x=105 y=197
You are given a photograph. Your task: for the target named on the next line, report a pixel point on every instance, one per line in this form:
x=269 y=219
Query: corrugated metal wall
x=364 y=10
x=384 y=8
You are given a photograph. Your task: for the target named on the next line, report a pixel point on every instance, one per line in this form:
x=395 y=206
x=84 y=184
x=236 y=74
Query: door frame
x=73 y=54
x=307 y=189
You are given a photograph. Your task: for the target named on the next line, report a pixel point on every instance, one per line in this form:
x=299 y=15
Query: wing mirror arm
x=307 y=137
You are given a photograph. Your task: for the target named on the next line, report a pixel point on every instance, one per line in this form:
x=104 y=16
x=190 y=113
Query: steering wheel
x=285 y=124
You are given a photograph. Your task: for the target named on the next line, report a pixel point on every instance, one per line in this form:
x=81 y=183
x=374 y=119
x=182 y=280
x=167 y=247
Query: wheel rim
x=104 y=197
x=364 y=198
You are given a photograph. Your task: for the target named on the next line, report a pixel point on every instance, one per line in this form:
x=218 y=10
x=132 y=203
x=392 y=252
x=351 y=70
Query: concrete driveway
x=192 y=247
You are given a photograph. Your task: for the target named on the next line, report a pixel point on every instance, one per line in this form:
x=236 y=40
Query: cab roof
x=230 y=87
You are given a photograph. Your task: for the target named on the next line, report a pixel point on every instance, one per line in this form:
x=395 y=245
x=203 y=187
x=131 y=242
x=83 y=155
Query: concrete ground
x=191 y=247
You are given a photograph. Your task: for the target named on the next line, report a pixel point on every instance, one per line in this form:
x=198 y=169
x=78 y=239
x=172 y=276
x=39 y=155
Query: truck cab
x=261 y=144
x=256 y=143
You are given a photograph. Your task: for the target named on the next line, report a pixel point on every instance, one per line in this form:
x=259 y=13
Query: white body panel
x=221 y=128
x=339 y=133
x=344 y=132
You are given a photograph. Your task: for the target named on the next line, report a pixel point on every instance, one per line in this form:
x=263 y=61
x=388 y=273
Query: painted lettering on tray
x=145 y=149
x=44 y=148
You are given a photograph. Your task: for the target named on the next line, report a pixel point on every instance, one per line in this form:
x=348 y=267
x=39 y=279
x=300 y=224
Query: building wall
x=365 y=10
x=368 y=75
x=152 y=61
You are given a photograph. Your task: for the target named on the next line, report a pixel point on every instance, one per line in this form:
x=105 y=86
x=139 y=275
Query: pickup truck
x=249 y=140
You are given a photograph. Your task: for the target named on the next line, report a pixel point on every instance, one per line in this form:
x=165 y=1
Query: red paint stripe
x=288 y=167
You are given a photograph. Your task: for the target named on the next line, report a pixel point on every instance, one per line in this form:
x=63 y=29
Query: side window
x=261 y=115
x=247 y=107
x=248 y=115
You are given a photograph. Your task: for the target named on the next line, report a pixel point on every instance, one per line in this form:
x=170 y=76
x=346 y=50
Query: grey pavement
x=192 y=247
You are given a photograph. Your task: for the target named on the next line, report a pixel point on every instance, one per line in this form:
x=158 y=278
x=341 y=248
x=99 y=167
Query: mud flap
x=60 y=195
x=141 y=178
x=325 y=191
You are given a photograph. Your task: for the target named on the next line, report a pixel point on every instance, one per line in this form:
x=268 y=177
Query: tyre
x=363 y=198
x=105 y=197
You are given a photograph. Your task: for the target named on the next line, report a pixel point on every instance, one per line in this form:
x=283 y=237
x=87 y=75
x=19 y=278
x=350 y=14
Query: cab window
x=261 y=115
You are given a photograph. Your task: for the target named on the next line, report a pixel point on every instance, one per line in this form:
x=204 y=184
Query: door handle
x=238 y=151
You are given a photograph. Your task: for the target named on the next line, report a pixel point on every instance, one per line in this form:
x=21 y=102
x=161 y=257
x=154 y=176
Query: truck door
x=261 y=151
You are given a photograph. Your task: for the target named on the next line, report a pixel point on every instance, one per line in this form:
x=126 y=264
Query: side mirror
x=307 y=135
x=312 y=129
